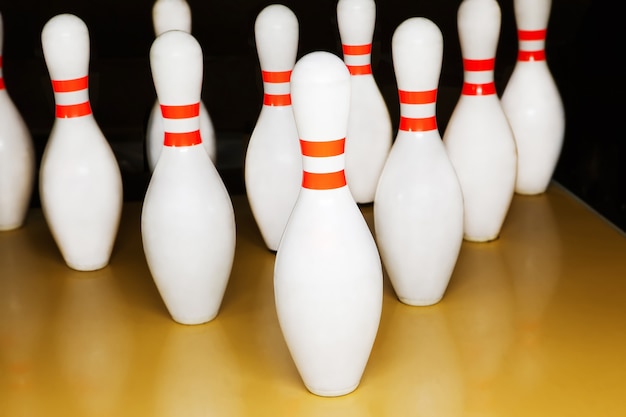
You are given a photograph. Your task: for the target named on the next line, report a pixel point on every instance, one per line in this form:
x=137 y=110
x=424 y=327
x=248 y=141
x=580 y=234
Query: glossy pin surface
x=478 y=137
x=174 y=15
x=273 y=164
x=80 y=183
x=17 y=158
x=370 y=135
x=187 y=219
x=418 y=210
x=532 y=102
x=327 y=274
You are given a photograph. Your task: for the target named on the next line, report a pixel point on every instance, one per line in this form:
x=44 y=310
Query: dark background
x=582 y=51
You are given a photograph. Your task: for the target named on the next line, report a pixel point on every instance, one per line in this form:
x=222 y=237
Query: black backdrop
x=582 y=51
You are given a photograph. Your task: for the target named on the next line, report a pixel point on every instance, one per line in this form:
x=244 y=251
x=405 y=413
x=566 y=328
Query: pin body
x=369 y=135
x=418 y=210
x=273 y=164
x=17 y=158
x=80 y=184
x=532 y=103
x=328 y=275
x=174 y=15
x=187 y=220
x=478 y=137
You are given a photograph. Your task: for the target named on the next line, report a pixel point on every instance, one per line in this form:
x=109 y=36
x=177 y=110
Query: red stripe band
x=0 y=61
x=326 y=181
x=478 y=89
x=322 y=149
x=1 y=83
x=532 y=35
x=73 y=110
x=277 y=99
x=182 y=139
x=69 y=86
x=276 y=76
x=418 y=125
x=479 y=64
x=417 y=97
x=357 y=49
x=180 y=112
x=360 y=69
x=531 y=55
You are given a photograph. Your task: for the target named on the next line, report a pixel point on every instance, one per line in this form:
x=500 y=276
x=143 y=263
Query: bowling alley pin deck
x=478 y=136
x=532 y=103
x=369 y=135
x=328 y=274
x=174 y=15
x=273 y=164
x=80 y=183
x=187 y=220
x=418 y=210
x=17 y=158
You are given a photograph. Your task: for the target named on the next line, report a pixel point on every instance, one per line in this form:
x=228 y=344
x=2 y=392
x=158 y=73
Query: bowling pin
x=174 y=15
x=187 y=220
x=532 y=103
x=418 y=209
x=80 y=183
x=327 y=273
x=17 y=158
x=273 y=164
x=478 y=137
x=369 y=137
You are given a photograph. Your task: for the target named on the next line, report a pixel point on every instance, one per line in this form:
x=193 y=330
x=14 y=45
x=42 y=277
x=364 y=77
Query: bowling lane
x=531 y=324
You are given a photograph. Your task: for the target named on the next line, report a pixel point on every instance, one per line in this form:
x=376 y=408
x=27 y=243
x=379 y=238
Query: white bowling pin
x=17 y=158
x=370 y=133
x=418 y=210
x=478 y=137
x=532 y=103
x=187 y=220
x=80 y=183
x=328 y=274
x=273 y=164
x=174 y=15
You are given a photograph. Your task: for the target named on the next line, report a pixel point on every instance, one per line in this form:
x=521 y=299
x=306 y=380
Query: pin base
x=333 y=393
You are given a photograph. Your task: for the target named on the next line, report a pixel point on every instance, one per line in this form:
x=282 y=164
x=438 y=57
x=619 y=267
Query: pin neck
x=531 y=45
x=276 y=88
x=479 y=66
x=417 y=99
x=181 y=125
x=358 y=58
x=71 y=97
x=319 y=159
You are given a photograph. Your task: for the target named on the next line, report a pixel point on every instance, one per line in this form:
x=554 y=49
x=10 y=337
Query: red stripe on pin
x=325 y=181
x=277 y=99
x=360 y=69
x=427 y=124
x=182 y=139
x=276 y=76
x=69 y=86
x=417 y=97
x=357 y=49
x=180 y=112
x=73 y=110
x=322 y=149
x=478 y=89
x=532 y=35
x=479 y=64
x=1 y=83
x=531 y=55
x=0 y=61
